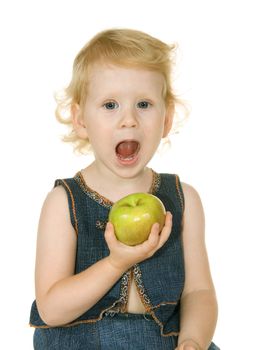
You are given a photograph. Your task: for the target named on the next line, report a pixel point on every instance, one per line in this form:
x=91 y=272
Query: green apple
x=133 y=216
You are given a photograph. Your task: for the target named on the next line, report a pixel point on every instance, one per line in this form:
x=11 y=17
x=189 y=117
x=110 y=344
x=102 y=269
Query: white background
x=216 y=151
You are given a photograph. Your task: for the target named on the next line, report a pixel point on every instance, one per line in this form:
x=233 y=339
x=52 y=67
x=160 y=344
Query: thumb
x=109 y=234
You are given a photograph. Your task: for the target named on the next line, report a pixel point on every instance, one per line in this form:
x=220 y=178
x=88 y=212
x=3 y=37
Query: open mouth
x=127 y=150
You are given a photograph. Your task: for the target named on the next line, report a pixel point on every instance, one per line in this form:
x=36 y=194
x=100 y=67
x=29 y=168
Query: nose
x=128 y=119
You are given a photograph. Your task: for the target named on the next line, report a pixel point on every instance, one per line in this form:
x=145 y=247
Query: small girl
x=92 y=291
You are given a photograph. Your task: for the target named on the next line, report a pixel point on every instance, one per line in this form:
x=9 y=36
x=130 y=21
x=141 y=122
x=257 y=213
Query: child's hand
x=123 y=256
x=188 y=345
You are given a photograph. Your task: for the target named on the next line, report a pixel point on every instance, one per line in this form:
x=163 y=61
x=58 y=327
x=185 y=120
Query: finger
x=169 y=219
x=151 y=243
x=157 y=239
x=154 y=235
x=110 y=236
x=166 y=231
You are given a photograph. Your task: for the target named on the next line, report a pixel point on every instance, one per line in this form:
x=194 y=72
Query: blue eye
x=143 y=104
x=110 y=105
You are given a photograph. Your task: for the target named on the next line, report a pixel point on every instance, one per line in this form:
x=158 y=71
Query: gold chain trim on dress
x=122 y=301
x=156 y=180
x=101 y=225
x=179 y=193
x=139 y=284
x=105 y=202
x=124 y=290
x=125 y=282
x=92 y=194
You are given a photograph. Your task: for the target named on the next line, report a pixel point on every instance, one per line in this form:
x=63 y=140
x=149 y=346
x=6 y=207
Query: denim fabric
x=159 y=280
x=132 y=332
x=84 y=336
x=116 y=332
x=119 y=331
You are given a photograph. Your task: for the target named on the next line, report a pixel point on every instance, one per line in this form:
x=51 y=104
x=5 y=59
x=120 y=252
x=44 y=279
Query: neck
x=113 y=186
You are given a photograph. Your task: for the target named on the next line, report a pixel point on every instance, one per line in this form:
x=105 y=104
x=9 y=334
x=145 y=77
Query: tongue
x=127 y=148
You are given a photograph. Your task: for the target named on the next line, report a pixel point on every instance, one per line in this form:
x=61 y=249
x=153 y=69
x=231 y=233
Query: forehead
x=107 y=77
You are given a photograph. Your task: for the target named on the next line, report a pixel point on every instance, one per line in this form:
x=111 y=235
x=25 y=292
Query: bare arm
x=198 y=303
x=62 y=296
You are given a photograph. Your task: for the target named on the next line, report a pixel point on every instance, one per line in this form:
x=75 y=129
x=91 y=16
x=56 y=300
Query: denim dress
x=159 y=280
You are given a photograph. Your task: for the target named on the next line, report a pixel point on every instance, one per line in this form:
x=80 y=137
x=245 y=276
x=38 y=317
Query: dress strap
x=180 y=192
x=67 y=185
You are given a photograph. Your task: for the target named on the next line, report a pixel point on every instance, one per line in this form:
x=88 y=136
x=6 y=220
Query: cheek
x=154 y=135
x=99 y=134
x=156 y=126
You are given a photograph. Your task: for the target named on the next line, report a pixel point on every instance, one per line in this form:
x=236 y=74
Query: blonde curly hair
x=125 y=47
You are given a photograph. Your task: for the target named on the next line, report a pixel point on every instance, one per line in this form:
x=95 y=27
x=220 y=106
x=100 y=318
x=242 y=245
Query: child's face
x=124 y=117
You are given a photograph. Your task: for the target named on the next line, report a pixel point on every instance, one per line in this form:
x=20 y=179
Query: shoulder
x=55 y=205
x=55 y=228
x=193 y=219
x=57 y=196
x=63 y=189
x=190 y=193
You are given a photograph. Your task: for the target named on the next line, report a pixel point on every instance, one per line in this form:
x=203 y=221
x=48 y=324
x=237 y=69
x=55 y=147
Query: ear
x=78 y=123
x=168 y=120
